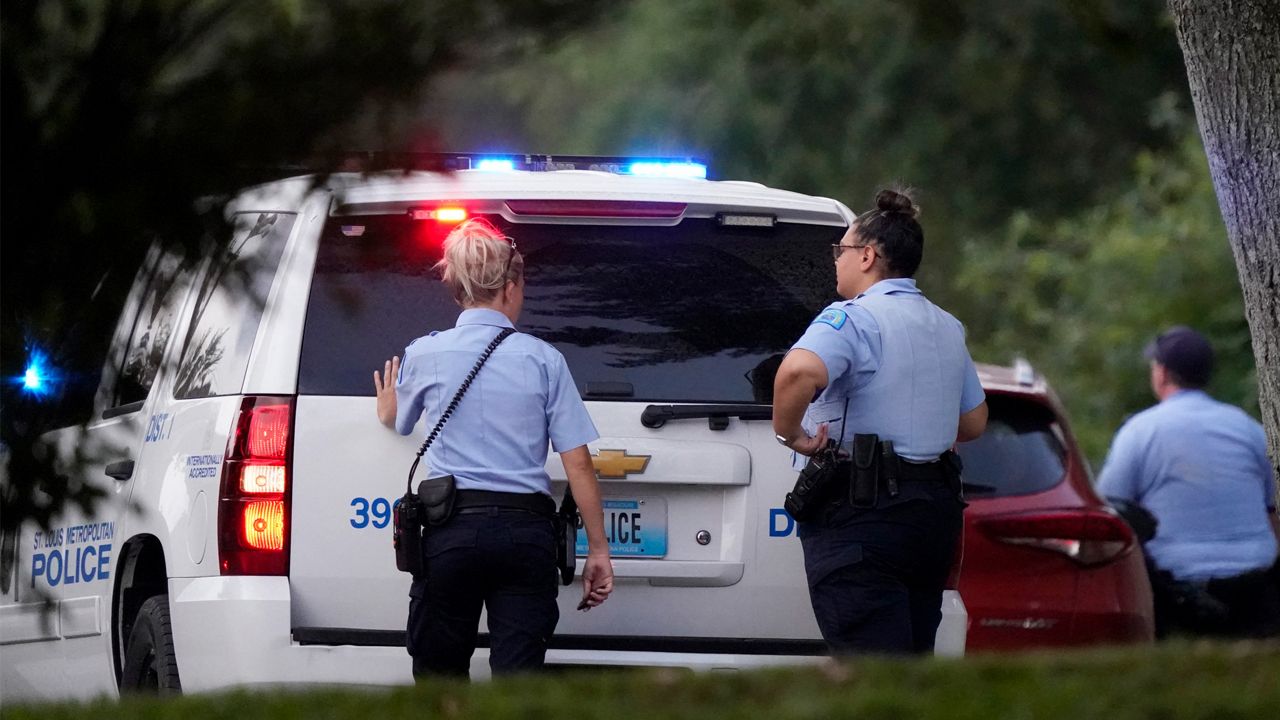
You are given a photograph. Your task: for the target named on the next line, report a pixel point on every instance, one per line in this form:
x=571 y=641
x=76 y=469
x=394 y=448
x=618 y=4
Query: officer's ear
x=870 y=255
x=509 y=289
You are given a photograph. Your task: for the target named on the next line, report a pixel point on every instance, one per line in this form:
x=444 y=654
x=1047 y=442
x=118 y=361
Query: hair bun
x=895 y=201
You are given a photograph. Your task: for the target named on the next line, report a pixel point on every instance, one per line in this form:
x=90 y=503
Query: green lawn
x=1169 y=681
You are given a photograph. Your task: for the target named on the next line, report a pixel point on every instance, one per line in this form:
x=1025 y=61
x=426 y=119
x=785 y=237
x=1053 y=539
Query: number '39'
x=374 y=512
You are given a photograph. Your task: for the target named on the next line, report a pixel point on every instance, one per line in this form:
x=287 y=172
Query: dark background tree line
x=1068 y=207
x=1068 y=203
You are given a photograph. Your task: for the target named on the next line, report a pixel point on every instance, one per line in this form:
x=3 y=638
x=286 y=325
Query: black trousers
x=501 y=560
x=876 y=576
x=1244 y=606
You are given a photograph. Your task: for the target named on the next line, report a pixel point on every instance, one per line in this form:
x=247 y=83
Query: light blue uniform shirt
x=1200 y=466
x=523 y=398
x=897 y=366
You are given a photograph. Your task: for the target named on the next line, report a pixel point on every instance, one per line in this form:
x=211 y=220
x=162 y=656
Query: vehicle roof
x=1012 y=379
x=353 y=190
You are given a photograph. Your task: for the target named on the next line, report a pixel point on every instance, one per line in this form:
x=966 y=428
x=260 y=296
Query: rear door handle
x=121 y=471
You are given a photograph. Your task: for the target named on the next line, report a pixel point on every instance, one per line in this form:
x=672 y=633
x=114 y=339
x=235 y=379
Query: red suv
x=1046 y=561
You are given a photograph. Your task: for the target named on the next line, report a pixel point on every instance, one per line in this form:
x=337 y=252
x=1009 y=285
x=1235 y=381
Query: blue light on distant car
x=496 y=164
x=669 y=169
x=39 y=376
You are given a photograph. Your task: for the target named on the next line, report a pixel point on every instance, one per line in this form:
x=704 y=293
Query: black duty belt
x=907 y=471
x=931 y=471
x=484 y=499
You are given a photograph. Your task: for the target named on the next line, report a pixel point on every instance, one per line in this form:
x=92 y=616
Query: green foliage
x=1176 y=681
x=1080 y=297
x=984 y=106
x=1067 y=206
x=123 y=119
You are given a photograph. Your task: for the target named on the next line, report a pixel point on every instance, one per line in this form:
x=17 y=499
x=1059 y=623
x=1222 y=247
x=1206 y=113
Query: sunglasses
x=838 y=248
x=506 y=268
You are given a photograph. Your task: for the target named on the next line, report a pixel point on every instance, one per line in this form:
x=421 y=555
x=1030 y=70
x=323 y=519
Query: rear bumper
x=236 y=632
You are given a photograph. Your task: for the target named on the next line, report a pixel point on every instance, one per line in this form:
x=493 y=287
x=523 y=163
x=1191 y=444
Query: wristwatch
x=782 y=440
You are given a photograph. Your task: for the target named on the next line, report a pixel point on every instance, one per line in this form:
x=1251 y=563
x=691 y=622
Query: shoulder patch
x=833 y=317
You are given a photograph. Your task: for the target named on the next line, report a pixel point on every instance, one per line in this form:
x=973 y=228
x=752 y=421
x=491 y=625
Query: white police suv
x=245 y=538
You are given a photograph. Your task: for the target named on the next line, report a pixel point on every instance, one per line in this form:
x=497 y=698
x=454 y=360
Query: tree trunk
x=1232 y=51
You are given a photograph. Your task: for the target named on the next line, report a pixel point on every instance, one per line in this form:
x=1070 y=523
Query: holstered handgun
x=865 y=482
x=814 y=485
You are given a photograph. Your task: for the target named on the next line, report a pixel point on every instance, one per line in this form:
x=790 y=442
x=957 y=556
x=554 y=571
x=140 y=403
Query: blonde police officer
x=890 y=363
x=498 y=551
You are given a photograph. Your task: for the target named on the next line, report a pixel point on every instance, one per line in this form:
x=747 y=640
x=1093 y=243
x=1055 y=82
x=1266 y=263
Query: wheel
x=150 y=665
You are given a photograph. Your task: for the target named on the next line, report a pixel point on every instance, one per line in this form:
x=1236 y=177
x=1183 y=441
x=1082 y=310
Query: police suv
x=245 y=537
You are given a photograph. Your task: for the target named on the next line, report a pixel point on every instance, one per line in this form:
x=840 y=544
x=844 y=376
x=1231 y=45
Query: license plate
x=634 y=527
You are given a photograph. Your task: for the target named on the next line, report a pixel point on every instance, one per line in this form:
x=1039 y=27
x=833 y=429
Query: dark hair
x=893 y=227
x=1185 y=354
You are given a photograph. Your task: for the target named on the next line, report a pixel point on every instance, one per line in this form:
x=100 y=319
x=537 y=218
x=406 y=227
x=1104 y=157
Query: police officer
x=498 y=550
x=884 y=362
x=1200 y=467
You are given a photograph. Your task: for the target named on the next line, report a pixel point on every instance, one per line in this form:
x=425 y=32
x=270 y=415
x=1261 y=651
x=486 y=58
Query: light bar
x=668 y=169
x=675 y=166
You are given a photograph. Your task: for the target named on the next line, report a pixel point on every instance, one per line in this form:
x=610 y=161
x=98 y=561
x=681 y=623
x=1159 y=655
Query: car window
x=229 y=307
x=692 y=313
x=152 y=328
x=1018 y=454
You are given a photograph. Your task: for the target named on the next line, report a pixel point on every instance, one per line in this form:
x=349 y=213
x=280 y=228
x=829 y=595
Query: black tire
x=150 y=665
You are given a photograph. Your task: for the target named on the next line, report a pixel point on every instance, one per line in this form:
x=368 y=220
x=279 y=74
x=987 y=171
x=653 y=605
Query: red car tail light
x=1088 y=537
x=253 y=506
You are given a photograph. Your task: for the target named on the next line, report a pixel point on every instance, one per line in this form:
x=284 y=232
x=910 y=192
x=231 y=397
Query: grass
x=1170 y=681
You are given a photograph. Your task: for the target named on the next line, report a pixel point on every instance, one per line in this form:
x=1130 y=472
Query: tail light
x=253 y=507
x=1088 y=537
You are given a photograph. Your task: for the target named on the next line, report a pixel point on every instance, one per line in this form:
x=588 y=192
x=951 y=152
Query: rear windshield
x=691 y=313
x=1018 y=454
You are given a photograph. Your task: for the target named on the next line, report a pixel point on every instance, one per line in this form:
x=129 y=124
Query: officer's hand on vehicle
x=806 y=445
x=597 y=580
x=386 y=391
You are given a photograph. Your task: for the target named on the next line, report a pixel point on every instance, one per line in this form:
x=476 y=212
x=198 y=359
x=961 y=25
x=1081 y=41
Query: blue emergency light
x=495 y=164
x=39 y=377
x=667 y=168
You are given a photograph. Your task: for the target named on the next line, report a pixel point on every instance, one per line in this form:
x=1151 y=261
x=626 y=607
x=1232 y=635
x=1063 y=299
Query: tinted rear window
x=691 y=313
x=1018 y=454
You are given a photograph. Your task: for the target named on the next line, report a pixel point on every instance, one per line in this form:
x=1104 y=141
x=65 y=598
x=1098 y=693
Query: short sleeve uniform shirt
x=522 y=400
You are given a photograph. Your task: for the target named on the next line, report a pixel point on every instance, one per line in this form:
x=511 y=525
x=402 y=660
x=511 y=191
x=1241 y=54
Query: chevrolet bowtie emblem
x=616 y=464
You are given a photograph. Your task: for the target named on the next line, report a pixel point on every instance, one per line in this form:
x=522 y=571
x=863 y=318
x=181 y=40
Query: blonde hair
x=475 y=254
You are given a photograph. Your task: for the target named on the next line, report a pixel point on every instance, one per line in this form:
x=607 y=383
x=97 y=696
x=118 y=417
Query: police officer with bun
x=497 y=549
x=875 y=394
